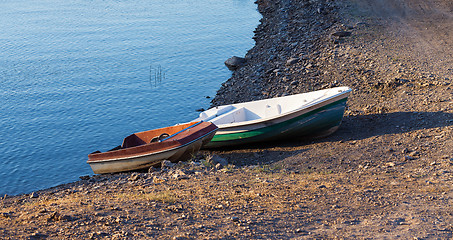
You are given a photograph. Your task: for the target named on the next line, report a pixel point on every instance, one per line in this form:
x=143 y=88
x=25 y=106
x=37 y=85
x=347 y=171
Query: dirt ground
x=387 y=173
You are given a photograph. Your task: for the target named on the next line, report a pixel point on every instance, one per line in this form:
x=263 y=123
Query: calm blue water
x=79 y=76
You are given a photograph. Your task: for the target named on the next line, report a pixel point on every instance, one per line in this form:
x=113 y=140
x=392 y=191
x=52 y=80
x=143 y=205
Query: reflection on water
x=156 y=75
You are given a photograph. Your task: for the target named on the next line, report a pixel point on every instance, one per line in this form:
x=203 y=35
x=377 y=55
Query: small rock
x=56 y=216
x=37 y=235
x=179 y=175
x=34 y=195
x=179 y=238
x=85 y=177
x=134 y=177
x=167 y=164
x=152 y=169
x=100 y=233
x=235 y=219
x=341 y=34
x=116 y=208
x=414 y=153
x=234 y=62
x=292 y=61
x=215 y=159
x=218 y=166
x=302 y=232
x=390 y=164
x=361 y=24
x=157 y=179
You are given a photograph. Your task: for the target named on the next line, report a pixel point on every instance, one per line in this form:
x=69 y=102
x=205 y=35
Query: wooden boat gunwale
x=172 y=145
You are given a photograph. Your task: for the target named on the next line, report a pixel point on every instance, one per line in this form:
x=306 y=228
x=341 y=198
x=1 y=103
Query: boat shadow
x=353 y=128
x=365 y=126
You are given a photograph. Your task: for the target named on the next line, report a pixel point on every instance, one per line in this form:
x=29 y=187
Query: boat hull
x=318 y=121
x=143 y=156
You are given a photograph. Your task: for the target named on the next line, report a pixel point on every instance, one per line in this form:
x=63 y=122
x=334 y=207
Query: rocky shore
x=387 y=173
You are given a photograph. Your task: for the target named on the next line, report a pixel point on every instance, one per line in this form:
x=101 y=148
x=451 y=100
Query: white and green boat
x=312 y=114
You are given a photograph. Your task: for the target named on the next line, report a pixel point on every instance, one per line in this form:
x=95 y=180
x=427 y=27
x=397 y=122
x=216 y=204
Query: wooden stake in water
x=156 y=75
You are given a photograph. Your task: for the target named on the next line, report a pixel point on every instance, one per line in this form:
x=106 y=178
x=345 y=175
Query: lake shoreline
x=386 y=173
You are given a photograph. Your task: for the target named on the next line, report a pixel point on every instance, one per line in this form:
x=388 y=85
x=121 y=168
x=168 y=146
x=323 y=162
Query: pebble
x=85 y=177
x=34 y=195
x=134 y=177
x=215 y=159
x=157 y=179
x=390 y=164
x=218 y=166
x=414 y=153
x=341 y=34
x=56 y=216
x=167 y=164
x=291 y=61
x=300 y=231
x=179 y=238
x=152 y=170
x=37 y=235
x=179 y=175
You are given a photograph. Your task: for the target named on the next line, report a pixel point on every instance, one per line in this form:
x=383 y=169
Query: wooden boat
x=317 y=113
x=145 y=149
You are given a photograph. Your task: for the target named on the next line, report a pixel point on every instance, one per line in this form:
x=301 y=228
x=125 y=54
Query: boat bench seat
x=132 y=141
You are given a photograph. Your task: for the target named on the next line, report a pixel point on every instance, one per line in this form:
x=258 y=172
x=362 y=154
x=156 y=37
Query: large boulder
x=234 y=62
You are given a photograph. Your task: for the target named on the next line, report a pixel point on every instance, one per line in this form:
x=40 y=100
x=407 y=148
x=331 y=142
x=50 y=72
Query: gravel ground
x=385 y=174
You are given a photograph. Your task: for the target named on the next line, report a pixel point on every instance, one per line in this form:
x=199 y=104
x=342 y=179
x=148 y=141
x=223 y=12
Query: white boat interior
x=268 y=108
